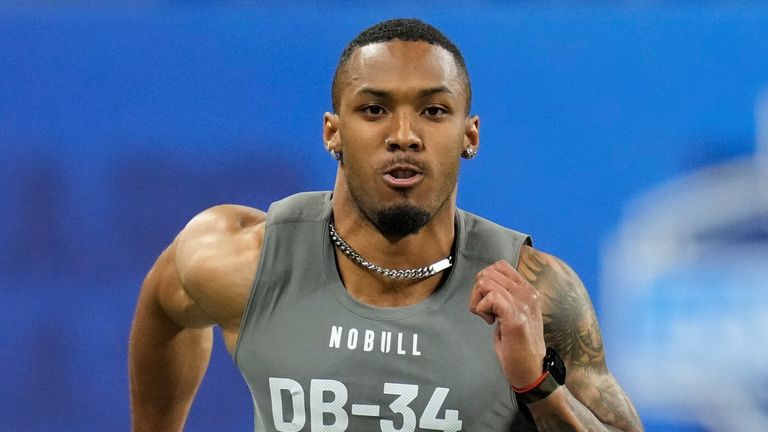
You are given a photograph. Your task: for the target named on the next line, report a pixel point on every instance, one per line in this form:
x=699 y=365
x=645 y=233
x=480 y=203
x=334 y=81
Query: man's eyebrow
x=374 y=92
x=383 y=94
x=433 y=91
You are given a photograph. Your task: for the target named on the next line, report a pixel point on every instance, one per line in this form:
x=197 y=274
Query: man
x=357 y=310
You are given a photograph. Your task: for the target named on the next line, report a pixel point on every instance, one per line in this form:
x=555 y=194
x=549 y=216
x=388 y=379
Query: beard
x=399 y=220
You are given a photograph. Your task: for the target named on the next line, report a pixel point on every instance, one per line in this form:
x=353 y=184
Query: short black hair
x=405 y=29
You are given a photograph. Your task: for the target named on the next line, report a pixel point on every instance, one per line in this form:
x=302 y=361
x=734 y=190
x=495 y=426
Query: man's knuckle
x=533 y=296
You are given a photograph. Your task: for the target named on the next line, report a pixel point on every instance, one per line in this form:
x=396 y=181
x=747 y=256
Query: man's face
x=402 y=125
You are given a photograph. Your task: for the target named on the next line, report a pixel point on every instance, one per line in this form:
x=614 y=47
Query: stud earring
x=468 y=153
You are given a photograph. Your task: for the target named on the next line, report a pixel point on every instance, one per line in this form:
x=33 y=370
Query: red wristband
x=533 y=385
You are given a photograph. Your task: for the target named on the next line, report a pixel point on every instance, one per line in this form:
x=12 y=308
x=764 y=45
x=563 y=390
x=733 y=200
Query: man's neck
x=431 y=244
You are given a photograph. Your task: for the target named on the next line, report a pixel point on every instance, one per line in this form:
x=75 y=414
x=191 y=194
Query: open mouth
x=400 y=176
x=402 y=173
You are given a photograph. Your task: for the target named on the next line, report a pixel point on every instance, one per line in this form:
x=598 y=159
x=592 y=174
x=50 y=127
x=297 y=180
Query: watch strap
x=544 y=388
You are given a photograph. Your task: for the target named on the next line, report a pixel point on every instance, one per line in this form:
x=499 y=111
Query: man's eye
x=434 y=111
x=374 y=110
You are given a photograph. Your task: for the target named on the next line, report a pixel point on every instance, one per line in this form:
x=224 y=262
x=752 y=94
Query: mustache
x=402 y=160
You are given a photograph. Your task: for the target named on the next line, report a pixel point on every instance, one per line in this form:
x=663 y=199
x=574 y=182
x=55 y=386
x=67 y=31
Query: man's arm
x=591 y=394
x=167 y=358
x=544 y=304
x=203 y=278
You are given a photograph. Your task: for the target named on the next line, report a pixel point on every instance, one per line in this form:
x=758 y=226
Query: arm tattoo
x=570 y=326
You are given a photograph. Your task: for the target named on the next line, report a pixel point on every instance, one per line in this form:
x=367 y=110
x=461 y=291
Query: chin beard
x=400 y=220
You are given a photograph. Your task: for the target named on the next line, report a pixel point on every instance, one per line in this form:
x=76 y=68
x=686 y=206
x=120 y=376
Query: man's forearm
x=561 y=411
x=167 y=364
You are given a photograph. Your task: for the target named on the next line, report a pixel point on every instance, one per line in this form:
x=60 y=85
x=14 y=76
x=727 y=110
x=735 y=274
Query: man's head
x=401 y=122
x=405 y=30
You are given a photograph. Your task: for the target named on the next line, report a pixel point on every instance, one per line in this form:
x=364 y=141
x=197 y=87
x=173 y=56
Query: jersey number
x=327 y=399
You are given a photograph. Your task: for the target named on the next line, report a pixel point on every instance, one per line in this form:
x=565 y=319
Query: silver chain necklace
x=415 y=273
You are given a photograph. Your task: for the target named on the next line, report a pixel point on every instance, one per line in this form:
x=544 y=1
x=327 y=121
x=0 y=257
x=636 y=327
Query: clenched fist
x=502 y=296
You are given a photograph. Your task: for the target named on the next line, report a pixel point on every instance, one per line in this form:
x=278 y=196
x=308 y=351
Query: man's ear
x=472 y=133
x=331 y=136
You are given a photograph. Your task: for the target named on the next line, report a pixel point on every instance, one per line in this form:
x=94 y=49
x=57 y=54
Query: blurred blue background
x=121 y=121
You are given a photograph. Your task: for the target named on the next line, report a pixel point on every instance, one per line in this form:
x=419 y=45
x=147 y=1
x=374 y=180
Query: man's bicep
x=570 y=325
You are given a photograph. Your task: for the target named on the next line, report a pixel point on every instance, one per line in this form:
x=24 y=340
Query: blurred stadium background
x=630 y=139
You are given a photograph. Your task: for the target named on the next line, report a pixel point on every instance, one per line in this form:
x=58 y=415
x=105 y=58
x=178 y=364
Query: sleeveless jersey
x=316 y=359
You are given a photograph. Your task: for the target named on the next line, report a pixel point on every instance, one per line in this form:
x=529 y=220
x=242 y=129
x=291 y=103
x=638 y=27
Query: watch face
x=554 y=364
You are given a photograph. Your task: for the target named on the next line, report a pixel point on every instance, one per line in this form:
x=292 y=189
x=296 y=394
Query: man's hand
x=503 y=296
x=543 y=303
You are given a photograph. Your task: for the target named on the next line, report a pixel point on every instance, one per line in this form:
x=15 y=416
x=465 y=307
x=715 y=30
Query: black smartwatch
x=553 y=376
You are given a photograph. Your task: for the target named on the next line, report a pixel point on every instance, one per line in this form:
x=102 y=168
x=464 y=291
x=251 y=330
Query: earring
x=468 y=153
x=334 y=154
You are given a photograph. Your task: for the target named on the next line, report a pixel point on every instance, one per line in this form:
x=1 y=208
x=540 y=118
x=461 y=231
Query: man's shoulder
x=220 y=225
x=223 y=217
x=488 y=241
x=560 y=286
x=474 y=222
x=303 y=206
x=220 y=240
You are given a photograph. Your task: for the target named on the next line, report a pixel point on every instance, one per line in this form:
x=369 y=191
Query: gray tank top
x=315 y=359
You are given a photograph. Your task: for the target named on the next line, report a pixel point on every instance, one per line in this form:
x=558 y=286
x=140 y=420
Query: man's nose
x=404 y=135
